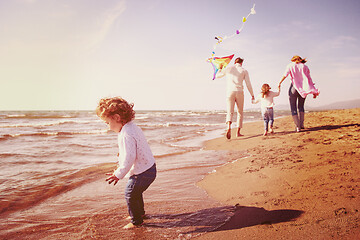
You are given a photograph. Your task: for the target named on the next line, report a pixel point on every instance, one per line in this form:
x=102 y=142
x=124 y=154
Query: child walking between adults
x=136 y=160
x=266 y=99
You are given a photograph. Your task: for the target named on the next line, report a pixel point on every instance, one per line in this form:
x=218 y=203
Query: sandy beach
x=292 y=185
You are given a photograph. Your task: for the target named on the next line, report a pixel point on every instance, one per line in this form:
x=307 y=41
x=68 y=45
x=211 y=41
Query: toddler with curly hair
x=136 y=160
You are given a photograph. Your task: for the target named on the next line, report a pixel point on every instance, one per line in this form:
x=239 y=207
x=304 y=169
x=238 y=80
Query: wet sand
x=178 y=209
x=293 y=185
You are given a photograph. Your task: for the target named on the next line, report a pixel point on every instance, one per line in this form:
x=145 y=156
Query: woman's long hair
x=298 y=59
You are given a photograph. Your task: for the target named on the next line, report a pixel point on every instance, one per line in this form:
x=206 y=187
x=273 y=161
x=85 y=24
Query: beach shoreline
x=283 y=186
x=292 y=185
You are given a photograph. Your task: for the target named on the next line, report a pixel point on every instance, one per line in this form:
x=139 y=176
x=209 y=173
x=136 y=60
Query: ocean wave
x=92 y=132
x=25 y=162
x=171 y=154
x=37 y=115
x=58 y=183
x=7 y=155
x=47 y=134
x=177 y=113
x=32 y=158
x=188 y=167
x=15 y=116
x=176 y=124
x=45 y=124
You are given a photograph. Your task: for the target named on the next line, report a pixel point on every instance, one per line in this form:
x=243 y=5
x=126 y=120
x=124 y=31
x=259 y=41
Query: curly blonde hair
x=265 y=89
x=298 y=59
x=108 y=107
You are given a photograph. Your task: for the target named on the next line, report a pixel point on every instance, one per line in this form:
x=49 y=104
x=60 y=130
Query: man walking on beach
x=235 y=75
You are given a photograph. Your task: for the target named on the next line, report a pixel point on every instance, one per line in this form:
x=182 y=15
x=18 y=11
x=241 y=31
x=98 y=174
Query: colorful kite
x=220 y=63
x=215 y=61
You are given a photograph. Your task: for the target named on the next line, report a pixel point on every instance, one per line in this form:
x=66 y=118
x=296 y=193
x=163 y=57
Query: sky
x=68 y=54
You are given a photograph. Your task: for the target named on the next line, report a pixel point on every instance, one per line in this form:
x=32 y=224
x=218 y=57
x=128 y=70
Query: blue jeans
x=268 y=116
x=296 y=101
x=135 y=187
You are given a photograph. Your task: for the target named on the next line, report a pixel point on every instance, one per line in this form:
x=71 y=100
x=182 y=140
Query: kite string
x=221 y=39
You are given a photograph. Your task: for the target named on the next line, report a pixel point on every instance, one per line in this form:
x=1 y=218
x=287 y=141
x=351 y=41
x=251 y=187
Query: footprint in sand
x=263 y=193
x=263 y=176
x=340 y=211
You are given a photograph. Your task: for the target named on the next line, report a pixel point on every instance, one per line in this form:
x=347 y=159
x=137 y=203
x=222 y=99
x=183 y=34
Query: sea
x=53 y=163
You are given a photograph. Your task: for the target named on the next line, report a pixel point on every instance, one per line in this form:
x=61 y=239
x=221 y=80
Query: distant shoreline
x=333 y=106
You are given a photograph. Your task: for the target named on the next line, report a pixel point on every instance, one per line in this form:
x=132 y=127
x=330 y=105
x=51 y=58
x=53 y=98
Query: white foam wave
x=94 y=132
x=171 y=124
x=45 y=124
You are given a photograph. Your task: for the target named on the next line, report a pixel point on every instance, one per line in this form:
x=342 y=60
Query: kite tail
x=221 y=39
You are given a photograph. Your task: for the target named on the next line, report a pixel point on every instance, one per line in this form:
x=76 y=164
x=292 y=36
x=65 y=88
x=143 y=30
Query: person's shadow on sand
x=252 y=216
x=330 y=127
x=324 y=127
x=310 y=129
x=224 y=218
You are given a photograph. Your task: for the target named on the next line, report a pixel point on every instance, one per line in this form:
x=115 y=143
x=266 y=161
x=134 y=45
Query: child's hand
x=112 y=178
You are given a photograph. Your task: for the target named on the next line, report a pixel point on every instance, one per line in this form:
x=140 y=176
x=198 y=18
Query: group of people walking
x=301 y=86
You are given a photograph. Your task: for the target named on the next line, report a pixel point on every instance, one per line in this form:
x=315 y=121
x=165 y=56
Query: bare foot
x=131 y=226
x=239 y=134
x=228 y=133
x=265 y=133
x=271 y=130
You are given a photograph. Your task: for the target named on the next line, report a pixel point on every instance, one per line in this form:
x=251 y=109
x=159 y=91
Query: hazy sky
x=67 y=54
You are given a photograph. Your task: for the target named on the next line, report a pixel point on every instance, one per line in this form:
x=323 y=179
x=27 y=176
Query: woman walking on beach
x=301 y=86
x=135 y=157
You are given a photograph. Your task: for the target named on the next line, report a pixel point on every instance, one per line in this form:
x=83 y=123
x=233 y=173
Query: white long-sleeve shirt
x=267 y=101
x=235 y=76
x=135 y=155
